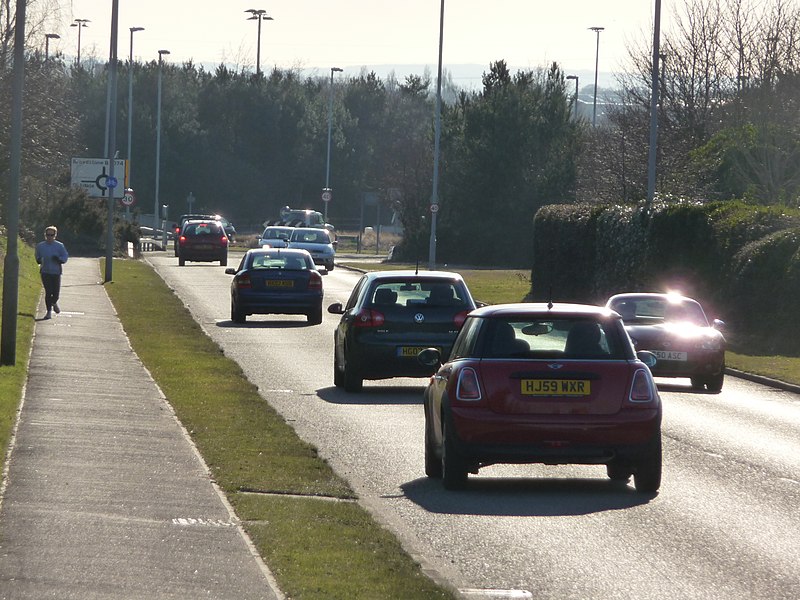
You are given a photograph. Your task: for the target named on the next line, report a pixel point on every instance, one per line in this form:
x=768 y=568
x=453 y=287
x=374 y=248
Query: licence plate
x=280 y=283
x=556 y=387
x=410 y=351
x=202 y=247
x=667 y=355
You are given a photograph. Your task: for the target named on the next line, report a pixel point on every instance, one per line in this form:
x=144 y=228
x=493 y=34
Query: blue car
x=276 y=281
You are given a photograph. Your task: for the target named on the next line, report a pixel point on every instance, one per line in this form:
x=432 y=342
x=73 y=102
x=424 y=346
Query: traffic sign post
x=94 y=176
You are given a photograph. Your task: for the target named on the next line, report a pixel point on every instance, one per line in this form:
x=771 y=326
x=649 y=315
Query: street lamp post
x=436 y=138
x=330 y=127
x=130 y=107
x=258 y=15
x=575 y=77
x=47 y=38
x=80 y=24
x=597 y=30
x=161 y=54
x=654 y=93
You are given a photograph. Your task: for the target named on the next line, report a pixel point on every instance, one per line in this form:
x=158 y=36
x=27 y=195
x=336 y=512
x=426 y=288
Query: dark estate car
x=203 y=241
x=542 y=383
x=675 y=328
x=276 y=281
x=390 y=317
x=230 y=231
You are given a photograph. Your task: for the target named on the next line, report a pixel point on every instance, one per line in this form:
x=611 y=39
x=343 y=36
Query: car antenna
x=550 y=298
x=416 y=271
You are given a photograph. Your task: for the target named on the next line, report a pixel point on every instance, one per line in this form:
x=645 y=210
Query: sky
x=350 y=34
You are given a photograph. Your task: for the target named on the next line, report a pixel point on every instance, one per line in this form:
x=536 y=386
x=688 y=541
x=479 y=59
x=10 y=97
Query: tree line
x=245 y=145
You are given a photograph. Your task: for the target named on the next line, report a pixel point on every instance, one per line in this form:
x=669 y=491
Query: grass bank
x=317 y=541
x=12 y=378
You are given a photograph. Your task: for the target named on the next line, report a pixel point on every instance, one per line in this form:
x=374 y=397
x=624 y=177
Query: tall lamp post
x=575 y=77
x=161 y=54
x=258 y=15
x=330 y=127
x=436 y=138
x=597 y=30
x=80 y=24
x=654 y=93
x=130 y=102
x=47 y=38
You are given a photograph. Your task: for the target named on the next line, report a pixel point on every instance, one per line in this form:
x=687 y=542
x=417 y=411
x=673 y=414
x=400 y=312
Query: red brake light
x=243 y=281
x=367 y=317
x=460 y=318
x=182 y=239
x=468 y=387
x=224 y=240
x=642 y=388
x=314 y=280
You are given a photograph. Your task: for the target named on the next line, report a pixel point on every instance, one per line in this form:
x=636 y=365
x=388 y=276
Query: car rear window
x=659 y=310
x=276 y=233
x=420 y=293
x=285 y=262
x=197 y=229
x=548 y=338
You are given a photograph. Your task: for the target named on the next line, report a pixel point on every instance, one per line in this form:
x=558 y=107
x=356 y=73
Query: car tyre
x=237 y=314
x=353 y=381
x=181 y=261
x=647 y=476
x=433 y=462
x=338 y=376
x=454 y=469
x=329 y=266
x=618 y=471
x=714 y=384
x=315 y=316
x=223 y=262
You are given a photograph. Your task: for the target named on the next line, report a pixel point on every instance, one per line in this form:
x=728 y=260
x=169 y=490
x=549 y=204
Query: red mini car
x=543 y=383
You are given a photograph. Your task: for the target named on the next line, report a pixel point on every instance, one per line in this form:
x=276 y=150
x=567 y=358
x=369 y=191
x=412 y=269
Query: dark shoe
x=56 y=308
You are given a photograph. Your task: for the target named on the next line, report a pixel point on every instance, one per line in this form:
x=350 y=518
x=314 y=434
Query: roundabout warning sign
x=93 y=175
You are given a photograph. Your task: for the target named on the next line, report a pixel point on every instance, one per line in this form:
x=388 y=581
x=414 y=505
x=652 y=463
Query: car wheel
x=237 y=314
x=181 y=261
x=714 y=384
x=698 y=383
x=315 y=316
x=338 y=376
x=433 y=462
x=454 y=469
x=353 y=382
x=647 y=476
x=223 y=262
x=618 y=471
x=329 y=266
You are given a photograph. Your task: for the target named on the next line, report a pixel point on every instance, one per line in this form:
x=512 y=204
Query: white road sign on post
x=92 y=175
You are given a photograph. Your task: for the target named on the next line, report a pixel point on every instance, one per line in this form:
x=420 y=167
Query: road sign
x=434 y=208
x=129 y=199
x=327 y=195
x=92 y=175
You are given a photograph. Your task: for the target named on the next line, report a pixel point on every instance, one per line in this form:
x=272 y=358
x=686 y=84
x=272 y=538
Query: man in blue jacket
x=51 y=254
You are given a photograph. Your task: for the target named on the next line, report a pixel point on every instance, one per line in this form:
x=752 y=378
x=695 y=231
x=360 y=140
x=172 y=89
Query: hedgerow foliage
x=741 y=261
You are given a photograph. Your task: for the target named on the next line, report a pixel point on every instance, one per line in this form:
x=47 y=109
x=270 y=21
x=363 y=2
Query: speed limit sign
x=129 y=199
x=434 y=208
x=327 y=196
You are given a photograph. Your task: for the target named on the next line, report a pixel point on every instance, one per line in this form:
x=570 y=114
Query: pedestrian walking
x=51 y=254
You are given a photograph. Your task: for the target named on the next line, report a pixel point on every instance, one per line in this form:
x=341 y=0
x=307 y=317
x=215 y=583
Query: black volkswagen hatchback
x=390 y=317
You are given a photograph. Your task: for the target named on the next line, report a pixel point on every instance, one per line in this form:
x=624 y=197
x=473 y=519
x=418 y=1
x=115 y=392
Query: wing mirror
x=230 y=271
x=336 y=309
x=430 y=357
x=647 y=358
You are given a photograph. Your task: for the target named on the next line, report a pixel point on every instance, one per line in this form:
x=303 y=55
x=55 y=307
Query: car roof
x=650 y=296
x=409 y=274
x=557 y=309
x=287 y=251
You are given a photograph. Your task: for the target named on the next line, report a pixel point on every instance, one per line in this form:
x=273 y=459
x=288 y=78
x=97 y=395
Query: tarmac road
x=723 y=526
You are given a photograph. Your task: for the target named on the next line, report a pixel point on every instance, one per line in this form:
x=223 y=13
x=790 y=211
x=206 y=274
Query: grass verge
x=317 y=541
x=12 y=378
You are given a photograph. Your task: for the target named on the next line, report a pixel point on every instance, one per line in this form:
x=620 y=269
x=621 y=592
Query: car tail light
x=367 y=317
x=468 y=387
x=183 y=239
x=460 y=318
x=314 y=280
x=224 y=240
x=642 y=387
x=243 y=282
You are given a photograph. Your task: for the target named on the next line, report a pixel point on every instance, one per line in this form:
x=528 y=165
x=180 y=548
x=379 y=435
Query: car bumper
x=287 y=304
x=699 y=364
x=384 y=360
x=484 y=436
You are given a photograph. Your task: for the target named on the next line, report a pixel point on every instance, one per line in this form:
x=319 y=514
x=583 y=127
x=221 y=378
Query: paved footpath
x=105 y=496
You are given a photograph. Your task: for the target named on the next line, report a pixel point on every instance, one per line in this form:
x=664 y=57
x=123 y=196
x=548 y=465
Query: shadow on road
x=375 y=395
x=526 y=497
